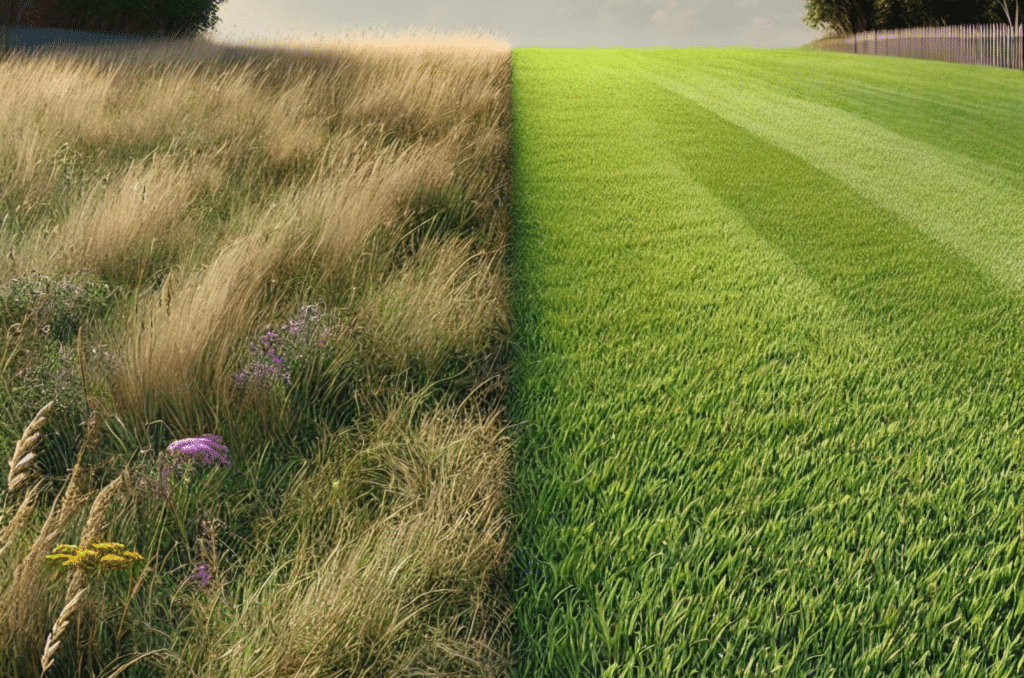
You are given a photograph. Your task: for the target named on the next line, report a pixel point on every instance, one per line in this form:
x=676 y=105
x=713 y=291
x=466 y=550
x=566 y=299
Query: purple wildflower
x=201 y=575
x=203 y=450
x=274 y=349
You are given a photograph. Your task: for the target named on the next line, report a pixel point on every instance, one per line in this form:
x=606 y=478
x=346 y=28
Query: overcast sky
x=525 y=23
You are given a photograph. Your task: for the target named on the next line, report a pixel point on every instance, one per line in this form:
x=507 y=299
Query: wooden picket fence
x=990 y=44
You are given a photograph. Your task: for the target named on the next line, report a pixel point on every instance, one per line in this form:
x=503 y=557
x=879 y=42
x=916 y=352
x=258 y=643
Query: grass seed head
x=18 y=475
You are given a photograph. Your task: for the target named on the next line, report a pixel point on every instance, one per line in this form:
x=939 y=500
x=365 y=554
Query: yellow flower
x=58 y=556
x=88 y=558
x=104 y=554
x=70 y=562
x=108 y=546
x=112 y=562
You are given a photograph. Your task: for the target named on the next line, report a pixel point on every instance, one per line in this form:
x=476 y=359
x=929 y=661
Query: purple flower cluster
x=201 y=576
x=274 y=348
x=204 y=450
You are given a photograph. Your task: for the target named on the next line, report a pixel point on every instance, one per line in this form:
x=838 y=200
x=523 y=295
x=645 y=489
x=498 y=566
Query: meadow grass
x=769 y=351
x=254 y=305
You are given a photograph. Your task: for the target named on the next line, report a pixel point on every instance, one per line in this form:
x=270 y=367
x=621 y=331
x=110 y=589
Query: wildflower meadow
x=253 y=305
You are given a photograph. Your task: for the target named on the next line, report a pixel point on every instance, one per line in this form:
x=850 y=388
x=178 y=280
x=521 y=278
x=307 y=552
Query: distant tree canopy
x=169 y=18
x=842 y=17
x=152 y=18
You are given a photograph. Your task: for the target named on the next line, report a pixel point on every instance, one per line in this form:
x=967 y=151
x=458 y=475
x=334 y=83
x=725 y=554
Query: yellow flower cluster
x=107 y=555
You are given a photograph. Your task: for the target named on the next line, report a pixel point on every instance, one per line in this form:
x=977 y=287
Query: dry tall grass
x=215 y=190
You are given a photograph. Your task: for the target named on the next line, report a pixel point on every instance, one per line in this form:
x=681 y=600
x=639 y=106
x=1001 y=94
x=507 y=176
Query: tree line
x=151 y=18
x=844 y=17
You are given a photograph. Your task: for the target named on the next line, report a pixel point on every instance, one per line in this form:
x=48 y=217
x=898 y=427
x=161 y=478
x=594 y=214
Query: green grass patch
x=769 y=326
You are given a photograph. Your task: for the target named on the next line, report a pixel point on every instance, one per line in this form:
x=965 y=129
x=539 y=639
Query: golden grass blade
x=20 y=517
x=53 y=639
x=24 y=579
x=18 y=475
x=97 y=514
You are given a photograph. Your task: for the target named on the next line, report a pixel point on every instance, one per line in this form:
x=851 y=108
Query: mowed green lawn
x=770 y=334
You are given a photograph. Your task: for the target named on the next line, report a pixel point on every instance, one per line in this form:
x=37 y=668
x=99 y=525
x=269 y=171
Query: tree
x=960 y=13
x=151 y=18
x=843 y=17
x=1005 y=5
x=894 y=14
x=840 y=17
x=162 y=18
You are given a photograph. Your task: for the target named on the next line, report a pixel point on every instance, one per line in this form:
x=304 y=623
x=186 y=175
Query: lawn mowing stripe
x=918 y=180
x=884 y=268
x=740 y=455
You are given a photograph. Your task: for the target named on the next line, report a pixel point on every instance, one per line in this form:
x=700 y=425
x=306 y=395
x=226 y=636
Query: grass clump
x=53 y=308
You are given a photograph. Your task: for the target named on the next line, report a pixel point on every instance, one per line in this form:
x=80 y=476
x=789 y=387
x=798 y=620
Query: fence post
x=993 y=52
x=985 y=46
x=986 y=56
x=1011 y=56
x=1019 y=34
x=1011 y=60
x=999 y=45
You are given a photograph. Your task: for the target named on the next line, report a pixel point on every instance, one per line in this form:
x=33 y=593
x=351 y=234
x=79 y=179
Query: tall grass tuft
x=19 y=475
